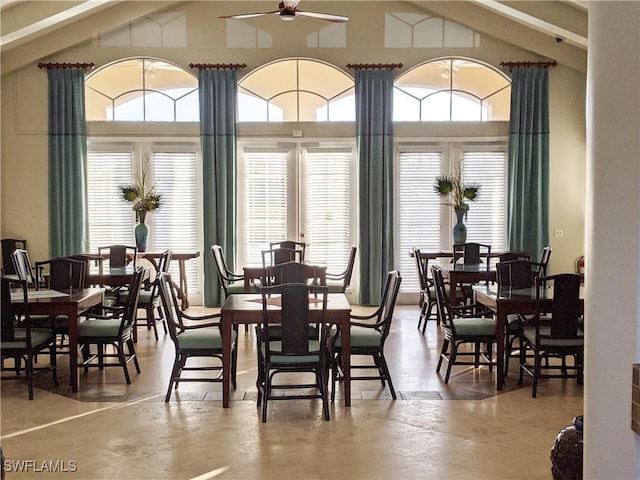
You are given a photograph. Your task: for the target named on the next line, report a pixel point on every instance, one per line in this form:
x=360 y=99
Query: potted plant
x=456 y=193
x=144 y=198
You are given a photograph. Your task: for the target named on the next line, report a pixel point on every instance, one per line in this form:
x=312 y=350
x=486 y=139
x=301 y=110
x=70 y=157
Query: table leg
x=183 y=284
x=501 y=321
x=345 y=331
x=226 y=322
x=72 y=314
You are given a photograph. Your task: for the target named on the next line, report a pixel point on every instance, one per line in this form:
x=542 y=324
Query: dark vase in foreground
x=566 y=453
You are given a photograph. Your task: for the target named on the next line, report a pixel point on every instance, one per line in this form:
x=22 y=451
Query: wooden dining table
x=505 y=301
x=247 y=309
x=72 y=304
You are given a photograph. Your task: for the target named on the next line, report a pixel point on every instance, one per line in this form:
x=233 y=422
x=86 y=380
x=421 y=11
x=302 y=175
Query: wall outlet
x=297 y=134
x=558 y=233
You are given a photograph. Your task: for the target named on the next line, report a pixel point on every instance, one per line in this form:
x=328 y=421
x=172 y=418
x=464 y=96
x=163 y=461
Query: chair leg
x=123 y=361
x=132 y=353
x=174 y=374
x=385 y=372
x=443 y=351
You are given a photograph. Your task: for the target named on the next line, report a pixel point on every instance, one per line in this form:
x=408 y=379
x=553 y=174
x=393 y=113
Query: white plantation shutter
x=326 y=205
x=418 y=211
x=263 y=202
x=175 y=223
x=486 y=219
x=111 y=219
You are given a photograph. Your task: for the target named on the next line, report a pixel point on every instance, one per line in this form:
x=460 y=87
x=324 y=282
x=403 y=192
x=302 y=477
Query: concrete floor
x=463 y=430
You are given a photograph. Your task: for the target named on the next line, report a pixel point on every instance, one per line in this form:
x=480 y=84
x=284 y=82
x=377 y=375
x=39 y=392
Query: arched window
x=452 y=89
x=142 y=90
x=296 y=90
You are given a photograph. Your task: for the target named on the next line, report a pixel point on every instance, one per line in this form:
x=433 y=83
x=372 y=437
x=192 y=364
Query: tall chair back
x=61 y=273
x=10 y=245
x=471 y=253
x=291 y=245
x=292 y=272
x=338 y=282
x=276 y=256
x=23 y=268
x=119 y=255
x=515 y=274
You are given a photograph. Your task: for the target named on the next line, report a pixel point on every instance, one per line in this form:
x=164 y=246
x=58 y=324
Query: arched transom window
x=452 y=89
x=143 y=90
x=296 y=90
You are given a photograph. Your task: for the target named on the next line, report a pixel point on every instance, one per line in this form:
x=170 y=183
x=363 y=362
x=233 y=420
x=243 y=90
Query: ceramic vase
x=141 y=233
x=459 y=229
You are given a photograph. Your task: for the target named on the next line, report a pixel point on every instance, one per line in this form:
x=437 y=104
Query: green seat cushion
x=335 y=286
x=94 y=327
x=475 y=326
x=238 y=287
x=202 y=338
x=276 y=346
x=530 y=335
x=362 y=337
x=38 y=337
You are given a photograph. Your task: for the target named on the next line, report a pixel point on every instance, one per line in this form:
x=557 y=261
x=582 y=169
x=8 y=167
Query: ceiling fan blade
x=323 y=16
x=250 y=15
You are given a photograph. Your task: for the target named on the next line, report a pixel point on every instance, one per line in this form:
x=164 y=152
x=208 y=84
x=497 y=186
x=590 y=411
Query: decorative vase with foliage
x=456 y=194
x=144 y=198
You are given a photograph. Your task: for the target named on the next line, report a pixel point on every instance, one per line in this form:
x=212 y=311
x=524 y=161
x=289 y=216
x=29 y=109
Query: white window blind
x=263 y=202
x=327 y=206
x=175 y=223
x=418 y=211
x=486 y=219
x=111 y=219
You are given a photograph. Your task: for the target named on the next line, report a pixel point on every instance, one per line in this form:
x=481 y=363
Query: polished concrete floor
x=463 y=430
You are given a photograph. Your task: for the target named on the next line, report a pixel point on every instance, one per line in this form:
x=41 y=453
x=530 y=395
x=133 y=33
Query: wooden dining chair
x=230 y=282
x=463 y=324
x=339 y=282
x=292 y=352
x=557 y=336
x=275 y=256
x=21 y=340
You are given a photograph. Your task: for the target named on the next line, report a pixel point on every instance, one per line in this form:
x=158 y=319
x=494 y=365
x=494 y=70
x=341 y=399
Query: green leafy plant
x=454 y=192
x=142 y=195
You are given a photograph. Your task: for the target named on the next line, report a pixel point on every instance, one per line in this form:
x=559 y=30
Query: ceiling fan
x=288 y=10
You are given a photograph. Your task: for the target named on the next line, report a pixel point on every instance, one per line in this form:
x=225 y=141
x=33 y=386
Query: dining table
x=503 y=301
x=70 y=303
x=246 y=309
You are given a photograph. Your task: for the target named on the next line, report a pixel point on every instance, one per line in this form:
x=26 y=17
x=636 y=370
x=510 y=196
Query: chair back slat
x=23 y=268
x=515 y=274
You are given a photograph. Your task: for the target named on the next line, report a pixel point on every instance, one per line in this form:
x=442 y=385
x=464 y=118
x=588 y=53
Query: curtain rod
x=552 y=63
x=222 y=66
x=374 y=66
x=66 y=65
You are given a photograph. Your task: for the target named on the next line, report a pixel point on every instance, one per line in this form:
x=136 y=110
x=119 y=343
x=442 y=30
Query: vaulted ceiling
x=32 y=30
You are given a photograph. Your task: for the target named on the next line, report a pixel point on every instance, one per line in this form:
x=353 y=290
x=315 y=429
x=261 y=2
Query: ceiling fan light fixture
x=287 y=15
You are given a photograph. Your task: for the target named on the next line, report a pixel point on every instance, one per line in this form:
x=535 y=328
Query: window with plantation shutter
x=173 y=168
x=327 y=206
x=111 y=219
x=263 y=202
x=417 y=211
x=296 y=191
x=422 y=220
x=175 y=224
x=486 y=216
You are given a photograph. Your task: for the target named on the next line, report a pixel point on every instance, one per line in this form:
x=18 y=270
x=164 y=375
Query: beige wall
x=24 y=106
